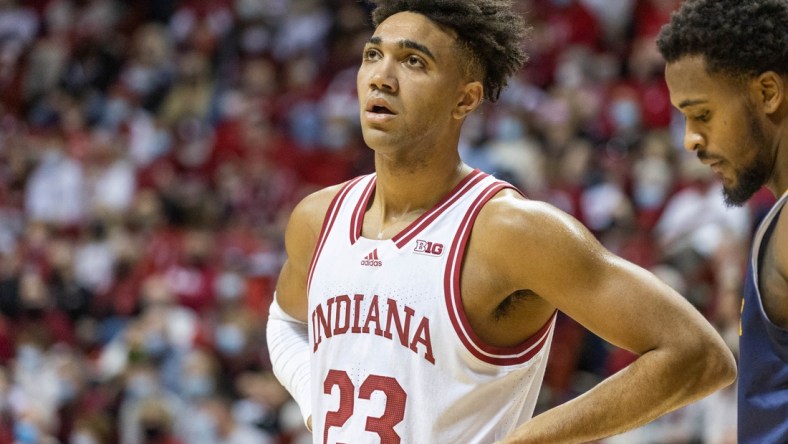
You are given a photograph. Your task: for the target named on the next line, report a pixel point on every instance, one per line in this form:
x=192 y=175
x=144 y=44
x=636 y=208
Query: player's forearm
x=288 y=346
x=655 y=384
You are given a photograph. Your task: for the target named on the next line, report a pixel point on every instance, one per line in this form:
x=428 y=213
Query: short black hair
x=735 y=37
x=490 y=31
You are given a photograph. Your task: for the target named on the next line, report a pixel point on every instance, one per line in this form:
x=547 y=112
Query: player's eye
x=414 y=61
x=702 y=117
x=371 y=54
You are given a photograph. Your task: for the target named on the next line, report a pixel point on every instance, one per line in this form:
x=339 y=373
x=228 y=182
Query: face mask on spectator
x=197 y=386
x=51 y=155
x=204 y=426
x=155 y=344
x=625 y=114
x=141 y=386
x=66 y=391
x=29 y=357
x=230 y=286
x=649 y=195
x=230 y=340
x=25 y=433
x=508 y=129
x=336 y=135
x=82 y=438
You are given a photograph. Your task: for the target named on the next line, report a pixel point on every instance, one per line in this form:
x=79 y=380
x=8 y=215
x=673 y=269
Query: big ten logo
x=428 y=248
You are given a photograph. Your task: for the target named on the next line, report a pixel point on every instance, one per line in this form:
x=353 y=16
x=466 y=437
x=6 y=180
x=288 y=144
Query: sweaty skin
x=525 y=259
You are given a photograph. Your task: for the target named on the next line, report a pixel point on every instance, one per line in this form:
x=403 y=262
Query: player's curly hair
x=736 y=37
x=489 y=32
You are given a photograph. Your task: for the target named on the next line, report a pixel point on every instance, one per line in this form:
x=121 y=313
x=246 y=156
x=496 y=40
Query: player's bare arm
x=774 y=275
x=303 y=230
x=682 y=358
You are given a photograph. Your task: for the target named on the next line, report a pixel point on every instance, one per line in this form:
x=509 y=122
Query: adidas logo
x=372 y=260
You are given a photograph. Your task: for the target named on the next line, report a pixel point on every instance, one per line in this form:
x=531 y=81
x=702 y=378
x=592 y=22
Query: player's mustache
x=704 y=156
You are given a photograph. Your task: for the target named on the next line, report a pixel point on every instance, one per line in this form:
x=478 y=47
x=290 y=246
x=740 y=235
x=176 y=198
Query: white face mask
x=197 y=386
x=66 y=391
x=141 y=386
x=29 y=358
x=230 y=286
x=82 y=438
x=203 y=428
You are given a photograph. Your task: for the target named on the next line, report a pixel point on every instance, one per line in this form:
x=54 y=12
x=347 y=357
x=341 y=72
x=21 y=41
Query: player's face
x=722 y=126
x=409 y=82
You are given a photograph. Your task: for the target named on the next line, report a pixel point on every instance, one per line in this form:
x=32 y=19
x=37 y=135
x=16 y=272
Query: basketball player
x=418 y=303
x=727 y=70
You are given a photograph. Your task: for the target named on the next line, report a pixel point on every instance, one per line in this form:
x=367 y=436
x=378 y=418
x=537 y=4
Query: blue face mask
x=625 y=114
x=305 y=125
x=648 y=196
x=197 y=386
x=230 y=340
x=155 y=344
x=508 y=129
x=25 y=433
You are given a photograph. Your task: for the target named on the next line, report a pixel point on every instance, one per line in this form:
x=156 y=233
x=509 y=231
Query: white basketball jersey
x=394 y=358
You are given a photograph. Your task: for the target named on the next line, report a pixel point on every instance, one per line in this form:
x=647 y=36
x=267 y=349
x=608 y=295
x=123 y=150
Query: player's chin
x=374 y=135
x=734 y=194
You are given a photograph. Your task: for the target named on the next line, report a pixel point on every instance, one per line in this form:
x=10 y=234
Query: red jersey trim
x=490 y=354
x=357 y=219
x=418 y=225
x=328 y=223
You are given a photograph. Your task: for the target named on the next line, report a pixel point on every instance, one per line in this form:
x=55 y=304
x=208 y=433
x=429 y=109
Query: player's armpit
x=682 y=358
x=775 y=283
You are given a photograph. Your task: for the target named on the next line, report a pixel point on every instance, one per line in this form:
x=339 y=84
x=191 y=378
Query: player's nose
x=383 y=78
x=693 y=140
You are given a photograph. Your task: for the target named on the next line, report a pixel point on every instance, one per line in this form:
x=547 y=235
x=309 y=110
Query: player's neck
x=778 y=184
x=407 y=192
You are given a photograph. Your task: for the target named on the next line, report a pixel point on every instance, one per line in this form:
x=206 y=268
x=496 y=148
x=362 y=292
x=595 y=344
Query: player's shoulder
x=508 y=209
x=311 y=210
x=511 y=219
x=306 y=222
x=780 y=238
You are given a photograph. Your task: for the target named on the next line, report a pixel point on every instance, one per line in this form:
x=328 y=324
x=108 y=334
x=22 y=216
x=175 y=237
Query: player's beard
x=753 y=176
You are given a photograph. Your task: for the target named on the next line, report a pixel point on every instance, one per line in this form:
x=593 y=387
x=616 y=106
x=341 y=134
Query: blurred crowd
x=150 y=154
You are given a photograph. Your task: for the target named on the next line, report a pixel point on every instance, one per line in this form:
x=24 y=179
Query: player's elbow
x=727 y=368
x=715 y=365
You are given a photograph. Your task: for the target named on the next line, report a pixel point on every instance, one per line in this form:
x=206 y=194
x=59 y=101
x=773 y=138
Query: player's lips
x=379 y=110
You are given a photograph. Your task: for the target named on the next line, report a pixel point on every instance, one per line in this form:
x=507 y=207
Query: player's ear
x=471 y=97
x=770 y=89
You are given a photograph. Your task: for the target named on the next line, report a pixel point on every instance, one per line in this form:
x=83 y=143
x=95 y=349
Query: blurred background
x=150 y=154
